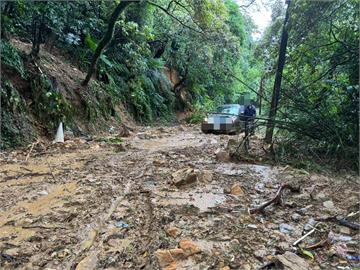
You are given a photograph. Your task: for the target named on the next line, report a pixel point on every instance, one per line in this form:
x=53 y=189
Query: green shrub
x=50 y=105
x=10 y=57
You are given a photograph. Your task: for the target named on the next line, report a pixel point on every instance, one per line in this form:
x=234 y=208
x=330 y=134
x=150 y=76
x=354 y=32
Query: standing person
x=250 y=114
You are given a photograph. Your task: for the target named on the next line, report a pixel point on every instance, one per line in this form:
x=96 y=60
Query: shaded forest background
x=166 y=57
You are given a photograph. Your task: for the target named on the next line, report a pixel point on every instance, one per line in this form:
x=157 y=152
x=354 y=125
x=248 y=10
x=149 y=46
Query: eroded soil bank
x=165 y=201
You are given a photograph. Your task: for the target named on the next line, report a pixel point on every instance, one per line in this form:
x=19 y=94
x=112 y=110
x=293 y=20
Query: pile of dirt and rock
x=165 y=201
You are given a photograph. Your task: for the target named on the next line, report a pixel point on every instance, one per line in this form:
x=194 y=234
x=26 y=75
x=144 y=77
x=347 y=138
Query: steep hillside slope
x=37 y=95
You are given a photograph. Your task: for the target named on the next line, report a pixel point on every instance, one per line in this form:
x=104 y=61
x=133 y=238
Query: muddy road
x=165 y=201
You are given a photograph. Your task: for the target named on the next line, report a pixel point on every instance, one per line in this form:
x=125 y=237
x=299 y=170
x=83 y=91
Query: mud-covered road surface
x=166 y=201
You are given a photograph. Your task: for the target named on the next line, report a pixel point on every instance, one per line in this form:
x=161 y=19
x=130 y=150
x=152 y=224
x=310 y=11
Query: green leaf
x=307 y=253
x=90 y=43
x=106 y=60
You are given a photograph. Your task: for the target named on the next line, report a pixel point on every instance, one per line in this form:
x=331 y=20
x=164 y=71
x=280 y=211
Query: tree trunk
x=260 y=94
x=36 y=38
x=278 y=77
x=106 y=39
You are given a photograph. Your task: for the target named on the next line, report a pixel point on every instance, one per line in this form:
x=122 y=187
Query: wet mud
x=166 y=202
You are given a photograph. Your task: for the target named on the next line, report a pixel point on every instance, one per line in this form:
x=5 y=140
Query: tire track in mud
x=88 y=262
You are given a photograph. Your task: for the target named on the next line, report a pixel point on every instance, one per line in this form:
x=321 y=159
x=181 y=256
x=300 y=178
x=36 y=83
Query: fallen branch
x=32 y=146
x=42 y=227
x=275 y=200
x=317 y=245
x=341 y=221
x=304 y=236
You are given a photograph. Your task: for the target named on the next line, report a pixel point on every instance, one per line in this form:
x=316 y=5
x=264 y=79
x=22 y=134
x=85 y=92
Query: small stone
x=43 y=193
x=120 y=147
x=320 y=196
x=303 y=210
x=189 y=247
x=286 y=228
x=63 y=253
x=68 y=135
x=172 y=266
x=345 y=230
x=328 y=204
x=284 y=246
x=12 y=252
x=88 y=263
x=292 y=261
x=236 y=190
x=173 y=231
x=310 y=224
x=166 y=257
x=184 y=176
x=225 y=268
x=205 y=176
x=24 y=222
x=260 y=253
x=252 y=226
x=295 y=217
x=223 y=156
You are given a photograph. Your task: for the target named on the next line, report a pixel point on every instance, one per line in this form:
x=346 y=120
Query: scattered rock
x=12 y=252
x=225 y=268
x=328 y=204
x=88 y=263
x=124 y=131
x=63 y=253
x=189 y=247
x=222 y=156
x=291 y=261
x=345 y=230
x=205 y=176
x=252 y=226
x=173 y=231
x=172 y=266
x=321 y=196
x=184 y=177
x=283 y=246
x=286 y=228
x=310 y=224
x=339 y=238
x=236 y=190
x=43 y=193
x=166 y=257
x=68 y=135
x=260 y=253
x=119 y=147
x=295 y=217
x=303 y=210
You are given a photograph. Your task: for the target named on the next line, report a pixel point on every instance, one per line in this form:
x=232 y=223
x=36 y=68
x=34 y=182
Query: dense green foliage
x=320 y=89
x=202 y=40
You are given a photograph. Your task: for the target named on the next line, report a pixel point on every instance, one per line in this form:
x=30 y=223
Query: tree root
x=276 y=199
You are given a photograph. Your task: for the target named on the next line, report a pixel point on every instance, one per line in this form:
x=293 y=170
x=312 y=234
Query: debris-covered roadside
x=170 y=198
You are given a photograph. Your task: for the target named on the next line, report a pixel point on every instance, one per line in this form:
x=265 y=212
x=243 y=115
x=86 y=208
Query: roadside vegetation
x=87 y=62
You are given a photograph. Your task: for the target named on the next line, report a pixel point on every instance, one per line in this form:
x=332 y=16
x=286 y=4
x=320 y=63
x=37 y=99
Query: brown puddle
x=174 y=142
x=202 y=198
x=42 y=205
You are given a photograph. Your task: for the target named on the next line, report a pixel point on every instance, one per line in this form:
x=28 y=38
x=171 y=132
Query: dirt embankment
x=88 y=110
x=162 y=199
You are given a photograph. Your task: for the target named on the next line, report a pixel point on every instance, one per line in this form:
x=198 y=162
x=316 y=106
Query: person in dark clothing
x=250 y=114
